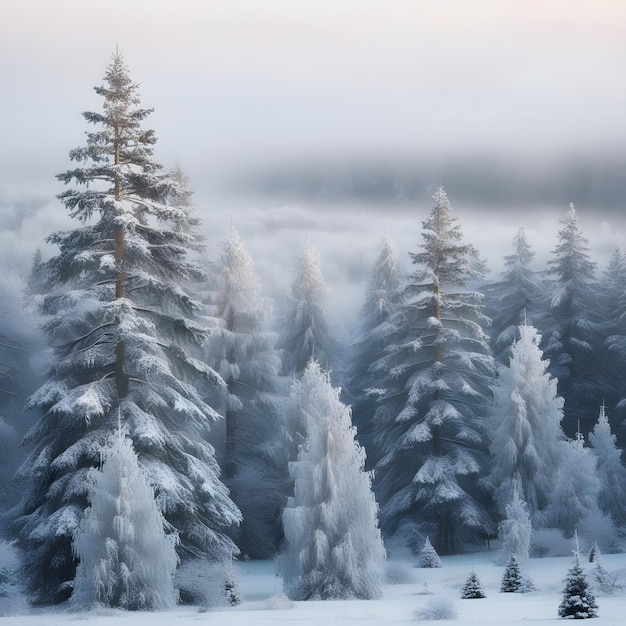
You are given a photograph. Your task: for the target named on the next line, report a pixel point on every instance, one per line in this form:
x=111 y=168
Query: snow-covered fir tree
x=574 y=501
x=515 y=298
x=472 y=589
x=437 y=376
x=242 y=350
x=610 y=469
x=428 y=555
x=126 y=560
x=512 y=580
x=578 y=600
x=333 y=547
x=574 y=330
x=127 y=339
x=382 y=298
x=305 y=333
x=526 y=426
x=515 y=530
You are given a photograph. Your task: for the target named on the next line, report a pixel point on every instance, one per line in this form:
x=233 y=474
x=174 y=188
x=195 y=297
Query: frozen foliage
x=512 y=578
x=436 y=377
x=127 y=339
x=575 y=329
x=125 y=558
x=208 y=584
x=333 y=547
x=472 y=589
x=607 y=582
x=611 y=470
x=515 y=530
x=578 y=600
x=304 y=333
x=526 y=431
x=515 y=299
x=574 y=500
x=382 y=298
x=242 y=350
x=429 y=556
x=438 y=608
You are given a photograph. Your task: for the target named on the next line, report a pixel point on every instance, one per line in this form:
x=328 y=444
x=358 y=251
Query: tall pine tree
x=127 y=340
x=437 y=377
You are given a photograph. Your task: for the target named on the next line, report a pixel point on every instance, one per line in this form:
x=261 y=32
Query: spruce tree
x=472 y=589
x=515 y=530
x=512 y=578
x=127 y=340
x=437 y=377
x=125 y=558
x=333 y=547
x=429 y=556
x=578 y=600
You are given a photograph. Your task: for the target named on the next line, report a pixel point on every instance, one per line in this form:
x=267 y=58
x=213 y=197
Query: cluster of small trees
x=166 y=386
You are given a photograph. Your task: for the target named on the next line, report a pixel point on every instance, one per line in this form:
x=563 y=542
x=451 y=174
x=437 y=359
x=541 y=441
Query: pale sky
x=243 y=86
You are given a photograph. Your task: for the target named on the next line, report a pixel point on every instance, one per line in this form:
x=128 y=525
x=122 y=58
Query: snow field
x=263 y=601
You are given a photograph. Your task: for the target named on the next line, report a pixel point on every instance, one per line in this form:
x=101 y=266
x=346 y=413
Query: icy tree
x=578 y=600
x=127 y=339
x=381 y=301
x=305 y=334
x=574 y=499
x=574 y=329
x=429 y=556
x=526 y=431
x=125 y=558
x=242 y=350
x=610 y=469
x=333 y=547
x=512 y=578
x=514 y=299
x=472 y=589
x=437 y=375
x=515 y=530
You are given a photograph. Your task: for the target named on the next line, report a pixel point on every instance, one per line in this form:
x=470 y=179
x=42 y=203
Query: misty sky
x=268 y=105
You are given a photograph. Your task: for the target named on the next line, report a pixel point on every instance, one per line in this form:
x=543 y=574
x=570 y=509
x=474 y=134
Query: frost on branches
x=436 y=375
x=126 y=560
x=333 y=547
x=578 y=600
x=127 y=339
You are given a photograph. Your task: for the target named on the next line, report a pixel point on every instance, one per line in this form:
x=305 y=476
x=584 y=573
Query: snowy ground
x=264 y=603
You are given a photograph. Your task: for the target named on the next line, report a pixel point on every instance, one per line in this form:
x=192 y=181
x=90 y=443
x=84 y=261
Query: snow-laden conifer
x=574 y=329
x=578 y=600
x=512 y=580
x=125 y=558
x=382 y=298
x=526 y=427
x=242 y=350
x=437 y=376
x=428 y=555
x=472 y=589
x=611 y=471
x=515 y=530
x=333 y=547
x=127 y=339
x=304 y=332
x=515 y=298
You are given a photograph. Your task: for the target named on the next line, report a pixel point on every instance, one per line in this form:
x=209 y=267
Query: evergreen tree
x=437 y=377
x=512 y=578
x=333 y=547
x=125 y=558
x=526 y=431
x=611 y=471
x=127 y=340
x=578 y=600
x=515 y=530
x=514 y=299
x=574 y=329
x=472 y=589
x=381 y=302
x=242 y=350
x=428 y=555
x=305 y=334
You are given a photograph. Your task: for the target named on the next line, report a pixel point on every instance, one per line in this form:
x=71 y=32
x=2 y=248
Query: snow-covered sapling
x=472 y=589
x=578 y=601
x=438 y=608
x=512 y=577
x=429 y=556
x=594 y=553
x=606 y=581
